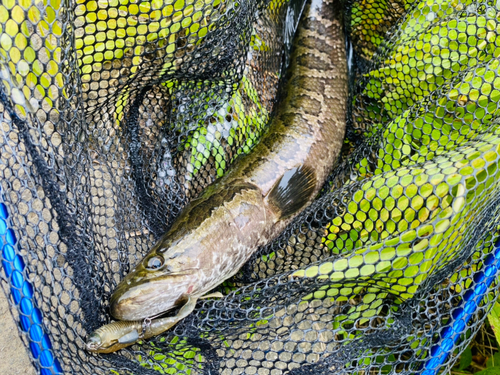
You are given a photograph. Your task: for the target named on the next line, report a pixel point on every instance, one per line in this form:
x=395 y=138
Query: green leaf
x=494 y=319
x=465 y=359
x=490 y=371
x=494 y=361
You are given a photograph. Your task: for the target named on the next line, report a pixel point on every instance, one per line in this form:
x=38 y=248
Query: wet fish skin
x=217 y=233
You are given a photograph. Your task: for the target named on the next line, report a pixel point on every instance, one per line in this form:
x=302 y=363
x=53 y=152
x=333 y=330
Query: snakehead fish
x=217 y=232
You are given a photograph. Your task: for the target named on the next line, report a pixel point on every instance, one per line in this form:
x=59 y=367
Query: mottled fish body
x=218 y=232
x=248 y=207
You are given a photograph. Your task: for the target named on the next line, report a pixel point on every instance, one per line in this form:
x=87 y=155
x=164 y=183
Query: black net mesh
x=115 y=113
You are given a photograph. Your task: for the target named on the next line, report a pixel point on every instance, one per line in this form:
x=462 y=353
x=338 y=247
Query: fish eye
x=155 y=262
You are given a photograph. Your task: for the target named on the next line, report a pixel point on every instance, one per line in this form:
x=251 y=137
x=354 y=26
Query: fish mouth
x=148 y=297
x=90 y=346
x=94 y=348
x=126 y=307
x=95 y=344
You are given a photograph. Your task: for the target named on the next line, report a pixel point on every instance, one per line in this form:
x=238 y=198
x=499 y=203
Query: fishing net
x=115 y=113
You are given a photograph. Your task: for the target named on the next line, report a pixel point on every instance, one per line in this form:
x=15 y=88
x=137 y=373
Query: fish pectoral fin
x=187 y=308
x=129 y=338
x=293 y=190
x=213 y=295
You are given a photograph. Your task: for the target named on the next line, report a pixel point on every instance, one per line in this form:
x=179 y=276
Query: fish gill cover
x=115 y=113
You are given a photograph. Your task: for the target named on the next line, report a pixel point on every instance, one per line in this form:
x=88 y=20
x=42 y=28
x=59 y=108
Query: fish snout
x=94 y=343
x=147 y=298
x=119 y=307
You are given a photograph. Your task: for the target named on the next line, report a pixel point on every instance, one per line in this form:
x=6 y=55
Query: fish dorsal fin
x=293 y=190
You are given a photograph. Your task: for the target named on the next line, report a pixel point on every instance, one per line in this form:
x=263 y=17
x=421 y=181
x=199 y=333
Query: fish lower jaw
x=140 y=312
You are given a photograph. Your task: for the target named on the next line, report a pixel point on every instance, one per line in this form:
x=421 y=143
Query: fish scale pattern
x=115 y=113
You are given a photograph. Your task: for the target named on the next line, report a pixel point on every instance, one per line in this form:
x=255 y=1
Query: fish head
x=97 y=344
x=162 y=280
